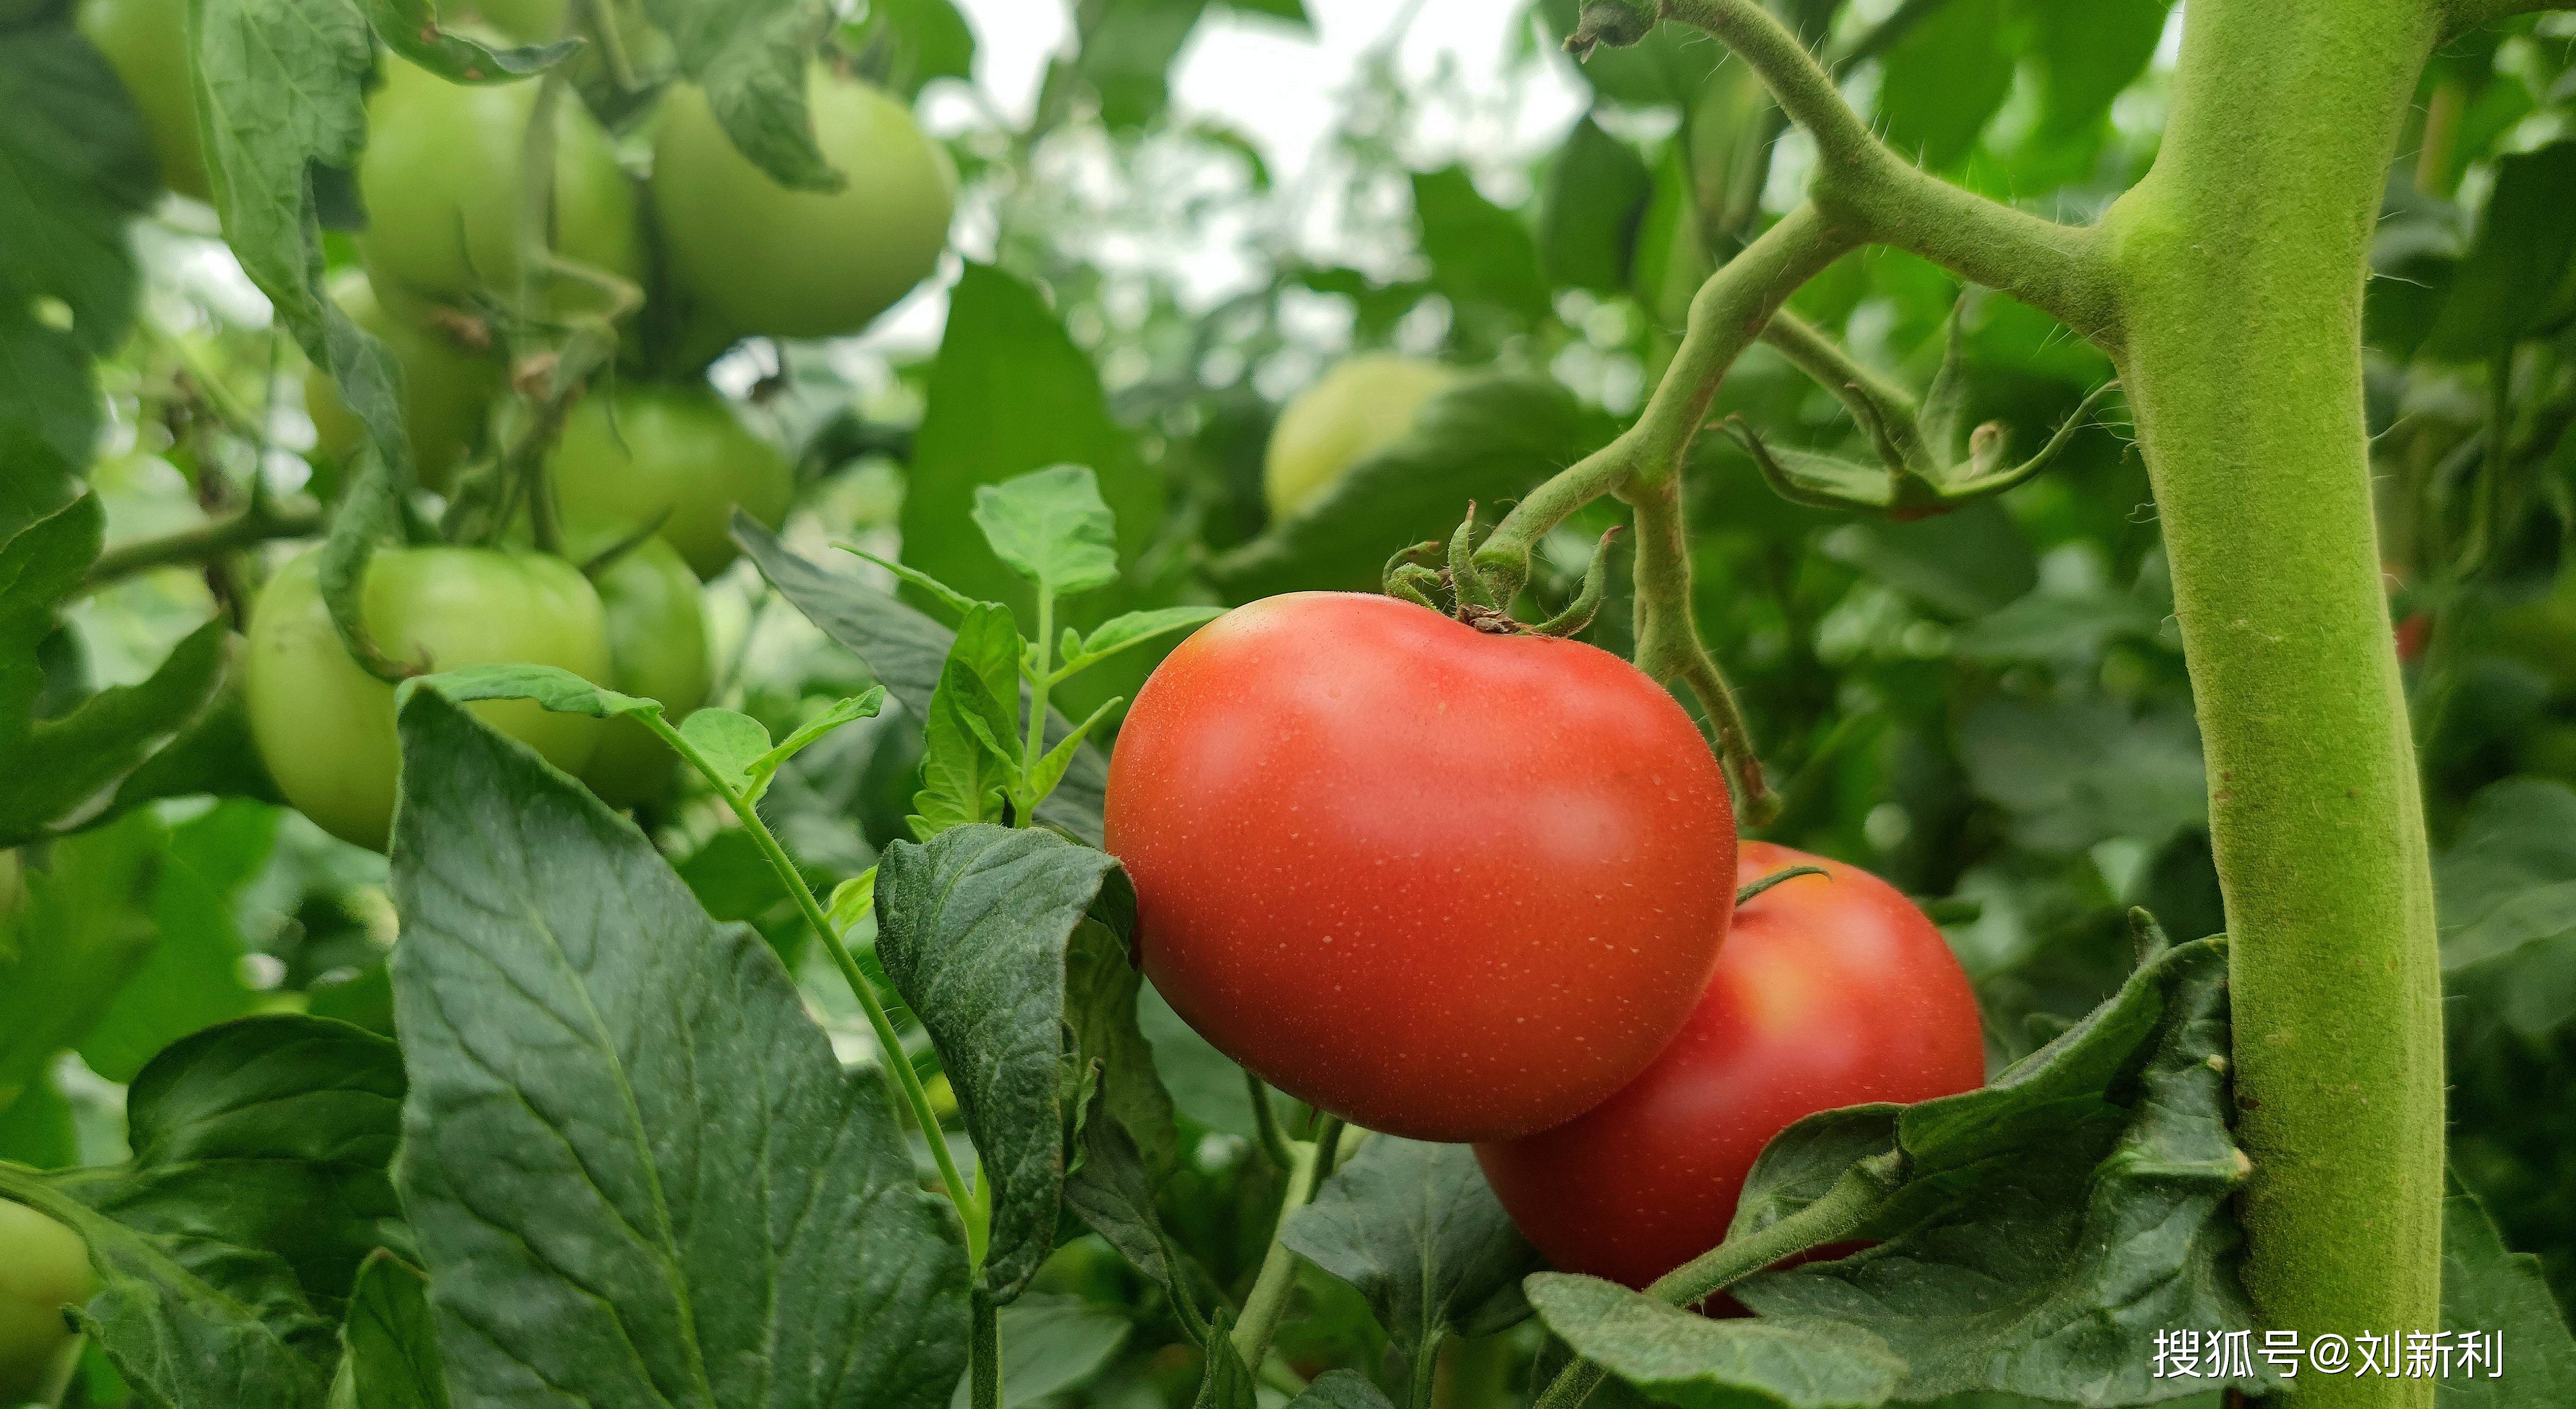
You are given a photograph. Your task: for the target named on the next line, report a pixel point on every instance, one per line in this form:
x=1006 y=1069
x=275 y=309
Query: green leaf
x=1134 y=629
x=1051 y=766
x=752 y=58
x=192 y=979
x=229 y=1243
x=907 y=651
x=733 y=744
x=1008 y=394
x=918 y=40
x=846 y=710
x=1595 y=200
x=1341 y=1389
x=854 y=903
x=1486 y=440
x=588 y=1050
x=1110 y=1190
x=391 y=1340
x=971 y=729
x=2087 y=55
x=1102 y=987
x=1226 y=1382
x=2525 y=239
x=973 y=929
x=937 y=590
x=65 y=763
x=550 y=687
x=73 y=943
x=1683 y=1358
x=1961 y=564
x=2500 y=1296
x=1480 y=253
x=1943 y=79
x=1051 y=527
x=1665 y=69
x=2085 y=1192
x=410 y=28
x=1414 y=1228
x=1050 y=1345
x=2078 y=771
x=1125 y=54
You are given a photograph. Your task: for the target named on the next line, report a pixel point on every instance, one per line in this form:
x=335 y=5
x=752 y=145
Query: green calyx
x=1924 y=464
x=1446 y=578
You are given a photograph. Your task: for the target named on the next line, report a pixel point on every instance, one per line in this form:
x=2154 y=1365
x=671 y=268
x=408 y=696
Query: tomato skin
x=657 y=649
x=325 y=727
x=44 y=1267
x=146 y=42
x=639 y=451
x=1449 y=885
x=803 y=264
x=446 y=389
x=1361 y=406
x=441 y=178
x=1831 y=991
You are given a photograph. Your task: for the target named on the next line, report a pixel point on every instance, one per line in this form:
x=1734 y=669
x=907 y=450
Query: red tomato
x=1448 y=885
x=1832 y=990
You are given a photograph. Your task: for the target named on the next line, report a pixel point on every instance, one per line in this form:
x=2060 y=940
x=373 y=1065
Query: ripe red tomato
x=1449 y=885
x=1831 y=991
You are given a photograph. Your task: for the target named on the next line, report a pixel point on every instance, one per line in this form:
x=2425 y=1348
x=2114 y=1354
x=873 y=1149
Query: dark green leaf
x=1487 y=440
x=2524 y=241
x=1665 y=69
x=1010 y=393
x=919 y=40
x=1126 y=53
x=1683 y=1358
x=67 y=764
x=752 y=58
x=973 y=929
x=1052 y=1344
x=1341 y=1389
x=1113 y=1195
x=1596 y=195
x=2076 y=772
x=410 y=28
x=907 y=651
x=972 y=728
x=1414 y=1228
x=391 y=1339
x=1943 y=79
x=2499 y=1296
x=551 y=687
x=1226 y=1383
x=1050 y=527
x=1480 y=253
x=2085 y=1192
x=2088 y=54
x=229 y=1244
x=1136 y=628
x=1963 y=564
x=624 y=1127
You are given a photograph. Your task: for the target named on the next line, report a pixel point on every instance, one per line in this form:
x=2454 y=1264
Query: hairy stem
x=984 y=1353
x=1269 y=1299
x=2240 y=261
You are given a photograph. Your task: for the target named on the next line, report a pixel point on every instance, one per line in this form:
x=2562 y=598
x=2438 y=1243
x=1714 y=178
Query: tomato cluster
x=444 y=276
x=1463 y=886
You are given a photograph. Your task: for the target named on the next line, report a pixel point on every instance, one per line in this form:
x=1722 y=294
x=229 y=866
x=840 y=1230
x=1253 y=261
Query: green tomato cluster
x=636 y=454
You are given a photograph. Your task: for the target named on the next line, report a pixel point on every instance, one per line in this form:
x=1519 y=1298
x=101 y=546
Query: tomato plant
x=46 y=1270
x=1504 y=965
x=675 y=456
x=325 y=727
x=1832 y=990
x=927 y=703
x=793 y=263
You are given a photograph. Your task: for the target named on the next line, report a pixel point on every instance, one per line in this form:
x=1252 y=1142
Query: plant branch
x=261 y=521
x=1269 y=1299
x=1863 y=186
x=984 y=1353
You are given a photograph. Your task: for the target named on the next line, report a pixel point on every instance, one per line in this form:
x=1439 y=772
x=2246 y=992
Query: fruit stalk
x=2238 y=264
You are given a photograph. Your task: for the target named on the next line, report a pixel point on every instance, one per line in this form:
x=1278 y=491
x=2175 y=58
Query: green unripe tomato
x=446 y=388
x=325 y=727
x=803 y=264
x=657 y=649
x=638 y=452
x=146 y=42
x=442 y=175
x=44 y=1267
x=1361 y=406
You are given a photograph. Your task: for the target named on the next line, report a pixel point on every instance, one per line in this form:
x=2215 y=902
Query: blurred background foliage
x=1988 y=707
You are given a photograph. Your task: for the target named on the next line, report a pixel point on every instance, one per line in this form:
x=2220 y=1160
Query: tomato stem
x=1790 y=873
x=984 y=1352
x=1269 y=1299
x=1265 y=1119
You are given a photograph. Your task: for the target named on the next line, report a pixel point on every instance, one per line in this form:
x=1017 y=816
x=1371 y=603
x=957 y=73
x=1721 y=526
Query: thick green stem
x=1278 y=1276
x=2239 y=263
x=983 y=1353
